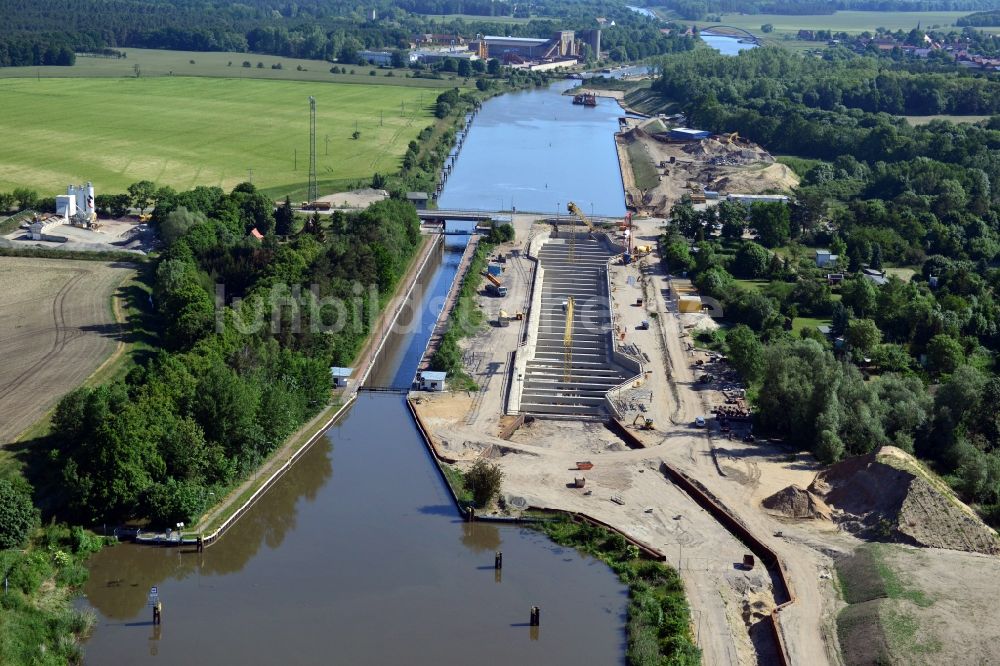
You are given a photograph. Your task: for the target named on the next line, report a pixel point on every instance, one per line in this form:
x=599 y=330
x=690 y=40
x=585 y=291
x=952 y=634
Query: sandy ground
x=56 y=328
x=355 y=199
x=540 y=458
x=113 y=235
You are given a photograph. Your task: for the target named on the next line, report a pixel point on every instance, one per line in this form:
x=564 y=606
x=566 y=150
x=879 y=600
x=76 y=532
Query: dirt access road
x=56 y=328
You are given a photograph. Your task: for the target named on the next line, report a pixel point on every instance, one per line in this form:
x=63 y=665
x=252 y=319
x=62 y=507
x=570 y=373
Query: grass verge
x=643 y=169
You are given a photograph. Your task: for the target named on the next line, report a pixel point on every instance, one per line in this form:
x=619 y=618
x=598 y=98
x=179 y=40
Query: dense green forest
x=231 y=383
x=47 y=32
x=909 y=362
x=981 y=19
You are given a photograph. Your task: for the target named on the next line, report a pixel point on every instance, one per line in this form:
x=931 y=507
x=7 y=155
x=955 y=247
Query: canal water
x=726 y=45
x=535 y=150
x=357 y=556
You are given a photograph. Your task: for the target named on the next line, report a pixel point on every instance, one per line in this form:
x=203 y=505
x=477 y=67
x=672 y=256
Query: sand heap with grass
x=889 y=496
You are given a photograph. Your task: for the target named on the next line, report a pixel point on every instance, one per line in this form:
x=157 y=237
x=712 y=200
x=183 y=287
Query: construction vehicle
x=496 y=285
x=643 y=422
x=732 y=137
x=573 y=208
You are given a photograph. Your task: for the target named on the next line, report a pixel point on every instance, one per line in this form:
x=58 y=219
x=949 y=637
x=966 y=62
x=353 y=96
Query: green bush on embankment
x=659 y=619
x=38 y=624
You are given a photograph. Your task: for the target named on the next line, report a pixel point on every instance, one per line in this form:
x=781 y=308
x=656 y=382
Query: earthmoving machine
x=732 y=137
x=573 y=208
x=643 y=422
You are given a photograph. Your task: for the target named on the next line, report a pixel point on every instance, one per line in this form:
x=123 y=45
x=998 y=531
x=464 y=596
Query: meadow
x=188 y=131
x=222 y=64
x=846 y=21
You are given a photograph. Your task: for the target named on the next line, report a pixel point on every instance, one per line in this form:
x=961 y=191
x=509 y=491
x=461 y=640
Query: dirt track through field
x=56 y=328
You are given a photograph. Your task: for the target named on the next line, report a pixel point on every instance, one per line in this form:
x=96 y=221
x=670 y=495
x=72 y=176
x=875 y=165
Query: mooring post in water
x=471 y=514
x=535 y=616
x=201 y=544
x=498 y=561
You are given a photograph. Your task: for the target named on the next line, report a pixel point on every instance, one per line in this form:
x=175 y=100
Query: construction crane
x=573 y=208
x=568 y=342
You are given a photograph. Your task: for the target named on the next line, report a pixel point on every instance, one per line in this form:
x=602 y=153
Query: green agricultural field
x=848 y=21
x=185 y=131
x=154 y=62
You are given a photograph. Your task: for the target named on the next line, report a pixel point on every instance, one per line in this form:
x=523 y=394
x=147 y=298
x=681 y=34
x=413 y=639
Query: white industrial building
x=77 y=205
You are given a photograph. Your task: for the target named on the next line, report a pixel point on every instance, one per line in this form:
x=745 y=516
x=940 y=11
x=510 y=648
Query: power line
x=313 y=188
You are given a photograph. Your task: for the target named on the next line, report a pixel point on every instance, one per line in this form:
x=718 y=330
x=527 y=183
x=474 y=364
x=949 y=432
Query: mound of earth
x=753 y=181
x=797 y=502
x=742 y=152
x=889 y=495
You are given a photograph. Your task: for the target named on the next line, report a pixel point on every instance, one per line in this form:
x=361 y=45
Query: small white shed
x=432 y=380
x=339 y=376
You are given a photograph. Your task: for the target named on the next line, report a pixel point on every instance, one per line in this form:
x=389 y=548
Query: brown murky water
x=357 y=556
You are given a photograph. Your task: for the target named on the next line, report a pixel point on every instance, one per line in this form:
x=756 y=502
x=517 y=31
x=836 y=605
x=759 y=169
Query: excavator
x=643 y=422
x=573 y=208
x=732 y=137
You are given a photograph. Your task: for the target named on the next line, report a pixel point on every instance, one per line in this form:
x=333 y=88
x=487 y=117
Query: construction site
x=660 y=165
x=594 y=398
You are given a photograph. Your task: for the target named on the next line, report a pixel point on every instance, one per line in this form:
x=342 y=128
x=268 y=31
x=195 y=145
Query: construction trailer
x=340 y=376
x=432 y=380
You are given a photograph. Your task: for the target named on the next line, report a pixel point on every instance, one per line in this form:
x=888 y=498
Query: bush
x=483 y=481
x=18 y=516
x=29 y=572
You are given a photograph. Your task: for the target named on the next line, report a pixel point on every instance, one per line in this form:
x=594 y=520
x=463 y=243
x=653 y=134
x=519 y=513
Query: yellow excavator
x=643 y=422
x=573 y=208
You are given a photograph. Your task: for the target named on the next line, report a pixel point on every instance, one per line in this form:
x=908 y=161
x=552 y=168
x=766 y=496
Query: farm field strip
x=190 y=131
x=56 y=328
x=221 y=64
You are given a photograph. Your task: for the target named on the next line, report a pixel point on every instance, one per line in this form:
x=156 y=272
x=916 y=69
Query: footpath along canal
x=357 y=555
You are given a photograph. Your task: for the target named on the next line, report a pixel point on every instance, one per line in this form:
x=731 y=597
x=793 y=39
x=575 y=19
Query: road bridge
x=731 y=31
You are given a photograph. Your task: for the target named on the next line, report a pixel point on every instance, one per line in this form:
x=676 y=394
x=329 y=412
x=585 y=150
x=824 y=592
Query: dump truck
x=496 y=285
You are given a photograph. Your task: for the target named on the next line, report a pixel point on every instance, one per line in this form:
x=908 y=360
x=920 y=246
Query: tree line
x=36 y=33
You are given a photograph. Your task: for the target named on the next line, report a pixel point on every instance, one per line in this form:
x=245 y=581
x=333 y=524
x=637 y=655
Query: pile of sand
x=743 y=151
x=774 y=177
x=797 y=502
x=888 y=495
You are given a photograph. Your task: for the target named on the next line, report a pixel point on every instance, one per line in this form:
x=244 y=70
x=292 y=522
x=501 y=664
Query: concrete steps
x=545 y=389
